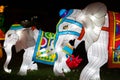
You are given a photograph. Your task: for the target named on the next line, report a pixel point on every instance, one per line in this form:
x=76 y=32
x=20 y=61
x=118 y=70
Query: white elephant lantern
x=22 y=38
x=36 y=44
x=39 y=48
x=99 y=28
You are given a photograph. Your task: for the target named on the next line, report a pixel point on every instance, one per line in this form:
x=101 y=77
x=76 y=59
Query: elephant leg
x=65 y=67
x=60 y=66
x=57 y=69
x=33 y=66
x=96 y=75
x=27 y=62
x=9 y=55
x=97 y=57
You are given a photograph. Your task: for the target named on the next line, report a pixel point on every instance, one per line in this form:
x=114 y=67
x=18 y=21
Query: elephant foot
x=24 y=69
x=57 y=70
x=57 y=73
x=60 y=69
x=22 y=73
x=94 y=79
x=65 y=68
x=33 y=67
x=96 y=76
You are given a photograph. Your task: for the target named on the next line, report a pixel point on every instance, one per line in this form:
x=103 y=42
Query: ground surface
x=45 y=73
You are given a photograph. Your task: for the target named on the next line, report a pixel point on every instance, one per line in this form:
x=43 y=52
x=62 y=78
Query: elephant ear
x=96 y=12
x=26 y=40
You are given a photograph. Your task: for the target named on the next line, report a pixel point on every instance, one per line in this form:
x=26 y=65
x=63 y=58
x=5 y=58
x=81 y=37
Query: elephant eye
x=65 y=27
x=9 y=35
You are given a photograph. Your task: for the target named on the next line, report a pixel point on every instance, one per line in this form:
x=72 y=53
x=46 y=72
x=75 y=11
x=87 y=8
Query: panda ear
x=96 y=12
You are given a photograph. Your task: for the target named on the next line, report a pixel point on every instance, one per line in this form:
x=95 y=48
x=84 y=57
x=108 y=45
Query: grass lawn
x=45 y=73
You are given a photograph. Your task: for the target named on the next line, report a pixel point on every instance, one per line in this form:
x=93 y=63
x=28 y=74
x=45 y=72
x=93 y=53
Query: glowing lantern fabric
x=2 y=29
x=114 y=40
x=2 y=17
x=2 y=8
x=2 y=35
x=44 y=41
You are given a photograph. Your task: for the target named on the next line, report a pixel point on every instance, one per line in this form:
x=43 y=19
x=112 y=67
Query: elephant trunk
x=9 y=55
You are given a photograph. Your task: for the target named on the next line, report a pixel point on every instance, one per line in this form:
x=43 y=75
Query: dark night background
x=48 y=14
x=46 y=10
